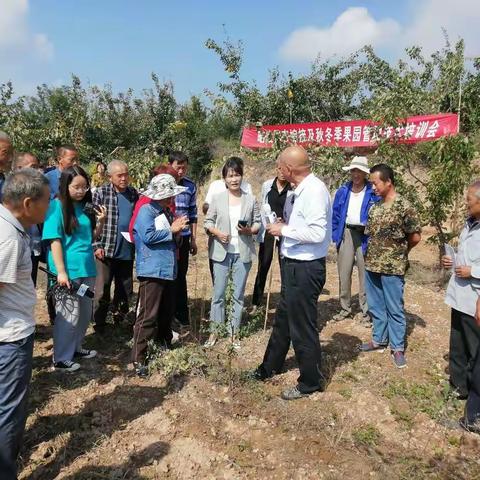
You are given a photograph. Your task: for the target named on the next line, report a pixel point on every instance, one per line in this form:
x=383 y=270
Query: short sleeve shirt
x=77 y=248
x=388 y=227
x=17 y=293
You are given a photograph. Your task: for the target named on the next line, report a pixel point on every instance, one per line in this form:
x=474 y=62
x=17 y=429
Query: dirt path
x=372 y=420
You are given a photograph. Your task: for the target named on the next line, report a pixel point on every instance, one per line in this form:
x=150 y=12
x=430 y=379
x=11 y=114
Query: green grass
x=366 y=436
x=432 y=398
x=346 y=393
x=190 y=359
x=404 y=417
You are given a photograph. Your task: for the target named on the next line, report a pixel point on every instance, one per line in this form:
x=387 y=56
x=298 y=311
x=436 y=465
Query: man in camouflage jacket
x=394 y=229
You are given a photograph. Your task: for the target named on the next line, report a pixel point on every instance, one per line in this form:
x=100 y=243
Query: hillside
x=373 y=421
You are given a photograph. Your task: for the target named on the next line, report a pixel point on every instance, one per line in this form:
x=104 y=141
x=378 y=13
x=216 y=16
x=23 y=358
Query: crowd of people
x=91 y=231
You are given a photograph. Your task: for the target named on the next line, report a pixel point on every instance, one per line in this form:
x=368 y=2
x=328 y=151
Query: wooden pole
x=270 y=284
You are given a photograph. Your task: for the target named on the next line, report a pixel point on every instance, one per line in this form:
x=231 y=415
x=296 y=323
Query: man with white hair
x=25 y=203
x=113 y=253
x=6 y=154
x=462 y=294
x=351 y=205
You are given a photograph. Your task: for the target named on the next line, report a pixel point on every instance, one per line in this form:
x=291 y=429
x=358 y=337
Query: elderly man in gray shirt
x=462 y=294
x=25 y=202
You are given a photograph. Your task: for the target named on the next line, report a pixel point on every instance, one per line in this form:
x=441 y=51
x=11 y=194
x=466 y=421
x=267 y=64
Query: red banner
x=353 y=133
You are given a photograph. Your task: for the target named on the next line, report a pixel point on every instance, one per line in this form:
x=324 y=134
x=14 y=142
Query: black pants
x=464 y=343
x=210 y=267
x=181 y=293
x=35 y=262
x=108 y=270
x=265 y=257
x=296 y=322
x=473 y=402
x=154 y=315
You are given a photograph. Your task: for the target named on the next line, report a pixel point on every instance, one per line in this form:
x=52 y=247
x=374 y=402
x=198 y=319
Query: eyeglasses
x=79 y=189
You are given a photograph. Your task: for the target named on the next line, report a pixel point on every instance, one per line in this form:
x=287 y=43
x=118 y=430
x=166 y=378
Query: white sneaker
x=175 y=337
x=212 y=340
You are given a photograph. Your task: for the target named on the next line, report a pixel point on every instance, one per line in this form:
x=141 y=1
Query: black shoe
x=68 y=366
x=293 y=394
x=99 y=328
x=457 y=393
x=83 y=353
x=141 y=370
x=470 y=427
x=258 y=374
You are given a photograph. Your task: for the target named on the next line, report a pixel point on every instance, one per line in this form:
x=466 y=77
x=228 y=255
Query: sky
x=120 y=42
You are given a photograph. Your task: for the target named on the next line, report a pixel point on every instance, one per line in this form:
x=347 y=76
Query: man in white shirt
x=306 y=235
x=25 y=203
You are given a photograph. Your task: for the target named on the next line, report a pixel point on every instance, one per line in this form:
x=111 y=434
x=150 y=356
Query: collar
x=365 y=187
x=185 y=181
x=286 y=188
x=7 y=215
x=112 y=188
x=301 y=186
x=472 y=222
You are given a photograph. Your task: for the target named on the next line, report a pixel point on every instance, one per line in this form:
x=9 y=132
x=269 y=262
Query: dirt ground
x=373 y=420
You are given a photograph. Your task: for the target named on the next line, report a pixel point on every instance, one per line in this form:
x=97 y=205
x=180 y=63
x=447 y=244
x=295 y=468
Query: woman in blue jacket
x=351 y=205
x=155 y=231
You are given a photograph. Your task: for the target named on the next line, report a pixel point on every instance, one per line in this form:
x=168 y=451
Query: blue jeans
x=385 y=304
x=15 y=374
x=221 y=270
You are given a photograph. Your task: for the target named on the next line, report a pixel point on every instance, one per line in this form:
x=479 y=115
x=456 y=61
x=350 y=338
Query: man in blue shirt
x=113 y=253
x=67 y=156
x=185 y=204
x=351 y=205
x=6 y=154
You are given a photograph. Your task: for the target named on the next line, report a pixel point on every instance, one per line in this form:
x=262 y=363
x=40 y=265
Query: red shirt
x=143 y=201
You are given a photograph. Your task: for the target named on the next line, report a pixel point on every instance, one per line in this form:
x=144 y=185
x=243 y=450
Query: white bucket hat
x=163 y=186
x=361 y=163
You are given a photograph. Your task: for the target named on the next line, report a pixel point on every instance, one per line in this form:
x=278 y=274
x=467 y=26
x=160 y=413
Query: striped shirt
x=17 y=293
x=107 y=196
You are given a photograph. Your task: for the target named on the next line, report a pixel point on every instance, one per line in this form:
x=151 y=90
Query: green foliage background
x=143 y=128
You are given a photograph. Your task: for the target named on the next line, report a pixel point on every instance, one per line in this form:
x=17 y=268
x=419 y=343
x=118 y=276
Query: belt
x=358 y=228
x=294 y=260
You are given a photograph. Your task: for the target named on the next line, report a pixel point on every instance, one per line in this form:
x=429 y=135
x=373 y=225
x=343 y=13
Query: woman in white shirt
x=233 y=218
